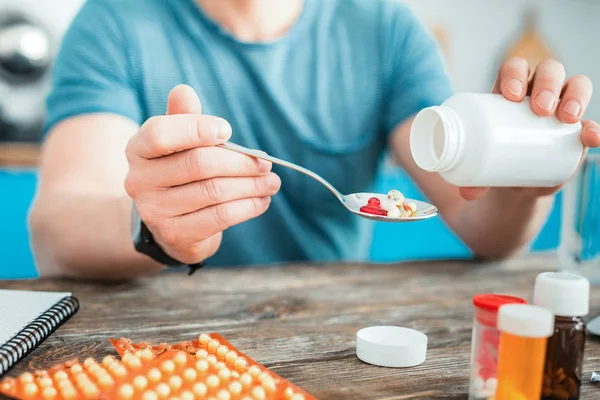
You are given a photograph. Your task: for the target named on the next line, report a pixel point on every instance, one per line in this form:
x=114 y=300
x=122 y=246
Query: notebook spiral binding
x=36 y=332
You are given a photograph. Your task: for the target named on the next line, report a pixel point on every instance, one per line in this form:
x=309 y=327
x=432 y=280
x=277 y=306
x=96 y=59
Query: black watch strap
x=144 y=243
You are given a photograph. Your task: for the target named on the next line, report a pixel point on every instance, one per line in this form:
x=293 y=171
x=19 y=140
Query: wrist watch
x=144 y=243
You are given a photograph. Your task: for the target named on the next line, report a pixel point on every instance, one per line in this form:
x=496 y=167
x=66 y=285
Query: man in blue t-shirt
x=143 y=90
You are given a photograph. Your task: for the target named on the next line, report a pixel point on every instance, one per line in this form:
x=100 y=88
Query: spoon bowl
x=352 y=202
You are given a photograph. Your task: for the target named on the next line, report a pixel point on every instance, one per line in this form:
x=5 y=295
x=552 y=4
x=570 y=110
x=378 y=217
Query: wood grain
x=19 y=154
x=301 y=320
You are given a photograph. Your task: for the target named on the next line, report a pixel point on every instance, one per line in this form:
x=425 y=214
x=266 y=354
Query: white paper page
x=20 y=308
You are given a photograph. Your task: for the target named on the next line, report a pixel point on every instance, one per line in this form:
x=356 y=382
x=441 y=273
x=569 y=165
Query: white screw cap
x=563 y=293
x=526 y=320
x=391 y=346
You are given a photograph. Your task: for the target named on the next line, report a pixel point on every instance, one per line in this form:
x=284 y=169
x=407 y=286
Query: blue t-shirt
x=326 y=96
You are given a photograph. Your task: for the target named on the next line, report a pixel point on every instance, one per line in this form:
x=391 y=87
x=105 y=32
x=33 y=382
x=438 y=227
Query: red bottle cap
x=488 y=305
x=492 y=302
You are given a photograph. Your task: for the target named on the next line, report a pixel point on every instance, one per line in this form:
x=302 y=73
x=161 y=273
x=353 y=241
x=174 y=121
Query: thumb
x=183 y=100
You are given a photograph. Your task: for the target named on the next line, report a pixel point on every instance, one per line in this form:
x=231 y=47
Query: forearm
x=86 y=236
x=500 y=224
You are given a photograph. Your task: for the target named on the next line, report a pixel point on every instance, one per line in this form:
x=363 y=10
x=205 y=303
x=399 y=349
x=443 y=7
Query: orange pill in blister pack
x=206 y=368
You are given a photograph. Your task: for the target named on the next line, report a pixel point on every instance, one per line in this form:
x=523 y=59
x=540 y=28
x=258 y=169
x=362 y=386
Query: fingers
x=199 y=164
x=575 y=99
x=183 y=100
x=198 y=195
x=512 y=79
x=590 y=134
x=197 y=226
x=546 y=87
x=164 y=135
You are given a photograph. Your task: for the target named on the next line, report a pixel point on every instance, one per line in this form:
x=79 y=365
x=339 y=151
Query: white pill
x=491 y=384
x=396 y=197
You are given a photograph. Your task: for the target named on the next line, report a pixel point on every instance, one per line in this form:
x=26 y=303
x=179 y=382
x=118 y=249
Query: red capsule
x=373 y=210
x=374 y=201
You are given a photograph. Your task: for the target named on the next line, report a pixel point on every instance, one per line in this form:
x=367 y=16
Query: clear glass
x=579 y=248
x=484 y=355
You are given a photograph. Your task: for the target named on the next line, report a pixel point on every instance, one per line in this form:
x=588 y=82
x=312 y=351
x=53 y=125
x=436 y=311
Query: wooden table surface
x=301 y=321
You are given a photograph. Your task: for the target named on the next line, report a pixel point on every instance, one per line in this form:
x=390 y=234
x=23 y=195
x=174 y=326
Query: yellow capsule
x=146 y=355
x=213 y=345
x=89 y=362
x=154 y=375
x=200 y=389
x=269 y=385
x=235 y=374
x=230 y=357
x=126 y=391
x=222 y=351
x=297 y=396
x=224 y=374
x=223 y=395
x=259 y=393
x=180 y=359
x=255 y=371
x=211 y=359
x=202 y=366
x=60 y=376
x=241 y=364
x=45 y=382
x=119 y=371
x=190 y=374
x=26 y=377
x=150 y=395
x=105 y=381
x=212 y=381
x=68 y=393
x=264 y=375
x=246 y=379
x=167 y=366
x=134 y=363
x=49 y=393
x=235 y=388
x=175 y=382
x=63 y=383
x=288 y=393
x=76 y=369
x=220 y=365
x=140 y=382
x=187 y=395
x=201 y=354
x=163 y=390
x=203 y=339
x=30 y=390
x=91 y=391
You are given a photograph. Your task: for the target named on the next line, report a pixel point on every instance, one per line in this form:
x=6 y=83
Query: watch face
x=136 y=223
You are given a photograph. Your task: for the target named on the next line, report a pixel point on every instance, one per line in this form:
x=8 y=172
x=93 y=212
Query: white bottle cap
x=391 y=346
x=565 y=294
x=526 y=320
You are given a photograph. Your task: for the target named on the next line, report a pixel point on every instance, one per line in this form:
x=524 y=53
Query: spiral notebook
x=27 y=318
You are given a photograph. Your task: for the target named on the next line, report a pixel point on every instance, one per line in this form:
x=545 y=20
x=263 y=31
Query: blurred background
x=475 y=37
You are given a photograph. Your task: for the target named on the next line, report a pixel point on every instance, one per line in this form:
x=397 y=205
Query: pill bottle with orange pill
x=524 y=332
x=484 y=344
x=567 y=296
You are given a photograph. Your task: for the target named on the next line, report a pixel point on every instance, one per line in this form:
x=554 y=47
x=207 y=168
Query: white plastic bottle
x=487 y=140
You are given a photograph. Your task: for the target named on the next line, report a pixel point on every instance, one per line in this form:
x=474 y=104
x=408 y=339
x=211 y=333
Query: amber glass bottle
x=567 y=296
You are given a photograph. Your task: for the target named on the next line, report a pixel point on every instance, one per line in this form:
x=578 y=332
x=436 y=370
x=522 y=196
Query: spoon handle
x=274 y=160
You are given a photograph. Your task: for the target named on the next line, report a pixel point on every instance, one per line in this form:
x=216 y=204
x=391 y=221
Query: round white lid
x=526 y=320
x=391 y=346
x=563 y=293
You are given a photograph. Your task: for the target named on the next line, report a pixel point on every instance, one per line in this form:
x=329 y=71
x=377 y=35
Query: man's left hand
x=550 y=94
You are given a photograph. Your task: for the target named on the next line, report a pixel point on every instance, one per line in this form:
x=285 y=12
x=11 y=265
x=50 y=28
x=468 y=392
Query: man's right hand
x=188 y=191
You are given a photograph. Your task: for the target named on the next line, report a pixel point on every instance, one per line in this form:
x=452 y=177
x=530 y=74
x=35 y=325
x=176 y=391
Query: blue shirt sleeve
x=414 y=71
x=92 y=73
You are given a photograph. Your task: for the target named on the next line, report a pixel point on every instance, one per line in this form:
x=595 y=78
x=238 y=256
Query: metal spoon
x=353 y=202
